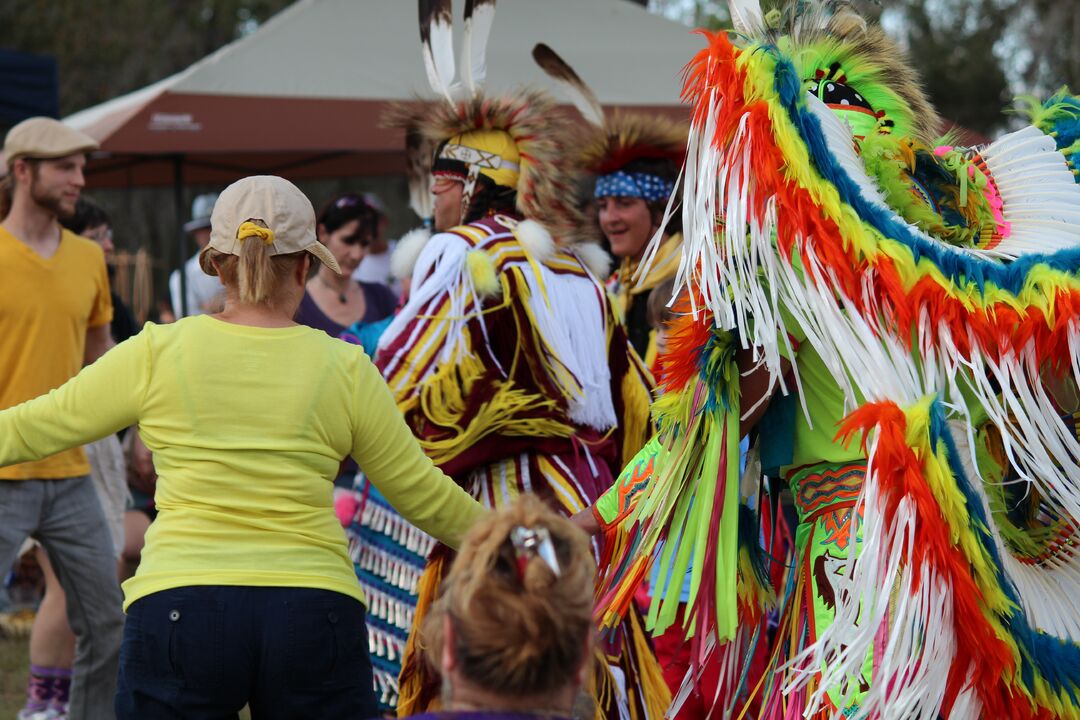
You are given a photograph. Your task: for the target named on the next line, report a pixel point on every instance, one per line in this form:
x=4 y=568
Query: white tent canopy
x=308 y=86
x=351 y=49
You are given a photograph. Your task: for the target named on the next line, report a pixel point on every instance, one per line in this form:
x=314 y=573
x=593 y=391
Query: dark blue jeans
x=203 y=652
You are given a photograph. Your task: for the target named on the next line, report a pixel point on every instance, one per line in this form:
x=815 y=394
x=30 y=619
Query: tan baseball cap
x=273 y=202
x=44 y=138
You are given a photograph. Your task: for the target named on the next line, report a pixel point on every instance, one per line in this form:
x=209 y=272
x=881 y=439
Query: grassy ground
x=14 y=660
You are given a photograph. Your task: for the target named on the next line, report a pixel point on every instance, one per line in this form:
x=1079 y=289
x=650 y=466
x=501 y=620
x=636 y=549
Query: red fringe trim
x=901 y=475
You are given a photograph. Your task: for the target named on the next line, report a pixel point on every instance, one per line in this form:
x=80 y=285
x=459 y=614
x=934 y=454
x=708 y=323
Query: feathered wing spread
x=790 y=232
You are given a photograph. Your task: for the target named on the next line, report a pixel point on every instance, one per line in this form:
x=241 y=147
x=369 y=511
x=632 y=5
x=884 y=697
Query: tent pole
x=181 y=245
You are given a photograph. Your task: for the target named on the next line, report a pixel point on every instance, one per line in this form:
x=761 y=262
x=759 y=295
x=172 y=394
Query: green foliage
x=951 y=43
x=105 y=48
x=1051 y=30
x=14 y=666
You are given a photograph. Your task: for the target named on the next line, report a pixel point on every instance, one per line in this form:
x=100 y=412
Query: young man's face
x=447 y=192
x=55 y=184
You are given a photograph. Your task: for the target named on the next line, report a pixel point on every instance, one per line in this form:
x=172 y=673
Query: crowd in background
x=351 y=297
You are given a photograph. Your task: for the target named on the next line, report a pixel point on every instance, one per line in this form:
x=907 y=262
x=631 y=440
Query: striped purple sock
x=39 y=688
x=61 y=687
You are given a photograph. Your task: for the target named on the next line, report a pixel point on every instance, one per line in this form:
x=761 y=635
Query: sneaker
x=46 y=714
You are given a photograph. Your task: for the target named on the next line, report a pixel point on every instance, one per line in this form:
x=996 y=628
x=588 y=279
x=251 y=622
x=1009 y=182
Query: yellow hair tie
x=250 y=229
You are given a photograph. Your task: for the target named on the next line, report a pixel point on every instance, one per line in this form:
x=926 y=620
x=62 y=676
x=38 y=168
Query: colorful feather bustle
x=1037 y=546
x=952 y=590
x=1058 y=117
x=928 y=279
x=890 y=279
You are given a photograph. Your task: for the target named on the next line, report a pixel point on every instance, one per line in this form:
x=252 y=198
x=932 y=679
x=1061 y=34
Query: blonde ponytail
x=256 y=280
x=254 y=276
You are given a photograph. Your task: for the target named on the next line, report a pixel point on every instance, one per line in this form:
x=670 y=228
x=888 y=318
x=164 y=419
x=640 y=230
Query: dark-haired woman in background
x=336 y=304
x=332 y=302
x=385 y=548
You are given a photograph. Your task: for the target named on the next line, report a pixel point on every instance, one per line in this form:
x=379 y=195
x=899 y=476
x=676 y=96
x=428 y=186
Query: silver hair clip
x=533 y=542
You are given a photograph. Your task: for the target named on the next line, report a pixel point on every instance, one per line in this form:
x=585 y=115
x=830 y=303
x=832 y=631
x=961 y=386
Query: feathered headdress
x=610 y=142
x=848 y=63
x=515 y=141
x=419 y=152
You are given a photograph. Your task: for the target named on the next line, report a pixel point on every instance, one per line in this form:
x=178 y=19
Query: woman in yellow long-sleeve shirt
x=246 y=593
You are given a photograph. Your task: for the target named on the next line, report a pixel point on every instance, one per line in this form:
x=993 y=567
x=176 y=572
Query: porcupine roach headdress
x=815 y=196
x=610 y=142
x=513 y=140
x=419 y=154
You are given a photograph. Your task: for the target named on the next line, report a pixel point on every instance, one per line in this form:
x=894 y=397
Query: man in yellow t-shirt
x=55 y=310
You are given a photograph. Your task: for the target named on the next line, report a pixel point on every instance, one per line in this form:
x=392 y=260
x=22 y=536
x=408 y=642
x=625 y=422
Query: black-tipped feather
x=432 y=11
x=479 y=15
x=580 y=94
x=436 y=39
